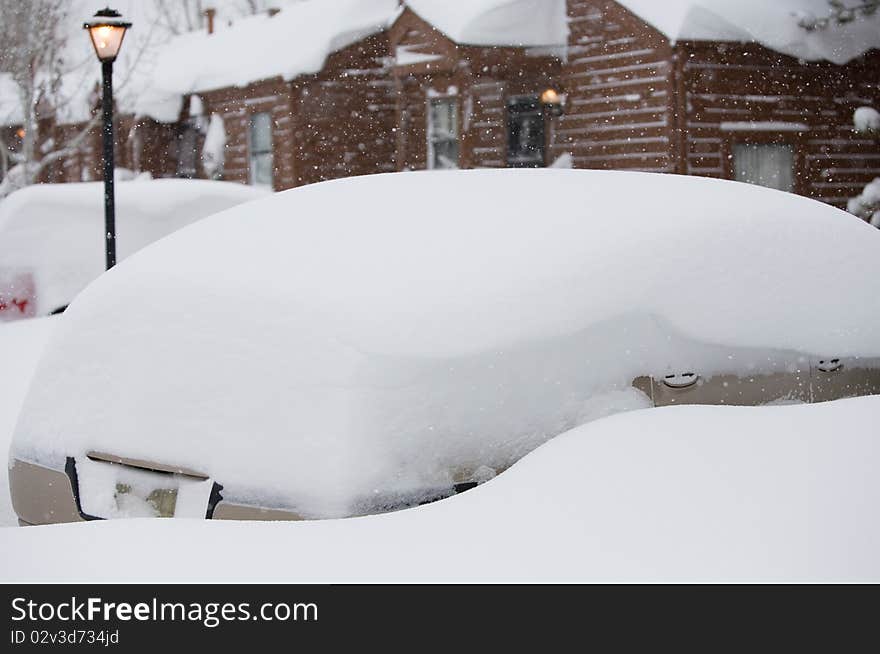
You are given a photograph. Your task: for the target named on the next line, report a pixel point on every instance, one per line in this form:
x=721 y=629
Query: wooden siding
x=335 y=124
x=727 y=87
x=633 y=102
x=415 y=82
x=344 y=118
x=152 y=147
x=481 y=78
x=236 y=106
x=620 y=113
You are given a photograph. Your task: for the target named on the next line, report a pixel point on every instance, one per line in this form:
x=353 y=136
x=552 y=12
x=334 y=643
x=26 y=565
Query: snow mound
x=53 y=232
x=296 y=41
x=346 y=344
x=866 y=120
x=21 y=344
x=679 y=494
x=867 y=204
x=775 y=25
x=497 y=22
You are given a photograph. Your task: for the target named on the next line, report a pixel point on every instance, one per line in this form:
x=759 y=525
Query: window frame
x=430 y=141
x=794 y=140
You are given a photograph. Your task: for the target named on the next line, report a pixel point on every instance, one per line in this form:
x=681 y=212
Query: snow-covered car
x=374 y=343
x=51 y=235
x=677 y=494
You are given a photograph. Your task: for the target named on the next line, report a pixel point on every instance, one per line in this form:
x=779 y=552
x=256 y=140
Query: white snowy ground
x=686 y=493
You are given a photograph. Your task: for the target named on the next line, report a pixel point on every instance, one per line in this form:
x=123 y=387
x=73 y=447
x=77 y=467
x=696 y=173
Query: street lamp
x=107 y=29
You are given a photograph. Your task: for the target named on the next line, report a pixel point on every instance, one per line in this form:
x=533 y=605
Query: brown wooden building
x=697 y=87
x=472 y=99
x=645 y=93
x=314 y=102
x=335 y=123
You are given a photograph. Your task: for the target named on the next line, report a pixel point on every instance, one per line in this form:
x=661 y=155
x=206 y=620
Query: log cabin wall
x=619 y=80
x=142 y=145
x=152 y=146
x=745 y=93
x=426 y=63
x=480 y=79
x=80 y=164
x=636 y=102
x=236 y=106
x=633 y=102
x=344 y=117
x=494 y=76
x=337 y=123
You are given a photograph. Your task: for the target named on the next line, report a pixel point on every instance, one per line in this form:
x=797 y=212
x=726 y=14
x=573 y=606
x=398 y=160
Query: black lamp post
x=107 y=30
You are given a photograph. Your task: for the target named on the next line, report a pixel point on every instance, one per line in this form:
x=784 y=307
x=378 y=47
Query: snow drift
x=345 y=346
x=677 y=494
x=21 y=344
x=54 y=232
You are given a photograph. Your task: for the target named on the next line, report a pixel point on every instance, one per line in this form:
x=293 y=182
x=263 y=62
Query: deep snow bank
x=343 y=345
x=679 y=494
x=21 y=344
x=54 y=231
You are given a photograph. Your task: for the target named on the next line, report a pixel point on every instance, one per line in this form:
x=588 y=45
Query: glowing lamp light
x=550 y=96
x=553 y=101
x=107 y=30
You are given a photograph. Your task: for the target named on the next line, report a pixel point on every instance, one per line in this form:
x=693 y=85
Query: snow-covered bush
x=214 y=149
x=564 y=161
x=867 y=120
x=867 y=205
x=17 y=177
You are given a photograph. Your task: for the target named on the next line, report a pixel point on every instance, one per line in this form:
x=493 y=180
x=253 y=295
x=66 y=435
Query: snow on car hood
x=354 y=340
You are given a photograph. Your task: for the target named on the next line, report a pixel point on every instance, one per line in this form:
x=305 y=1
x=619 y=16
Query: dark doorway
x=525 y=124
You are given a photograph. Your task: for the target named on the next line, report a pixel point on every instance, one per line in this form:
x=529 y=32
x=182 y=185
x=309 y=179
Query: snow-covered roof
x=775 y=25
x=497 y=22
x=296 y=41
x=324 y=347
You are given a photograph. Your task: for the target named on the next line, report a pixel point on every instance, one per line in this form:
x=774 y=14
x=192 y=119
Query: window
x=260 y=144
x=525 y=120
x=443 y=133
x=765 y=165
x=187 y=150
